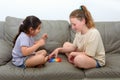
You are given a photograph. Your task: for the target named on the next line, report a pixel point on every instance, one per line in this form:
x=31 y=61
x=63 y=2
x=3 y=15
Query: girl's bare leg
x=66 y=45
x=43 y=52
x=38 y=59
x=84 y=61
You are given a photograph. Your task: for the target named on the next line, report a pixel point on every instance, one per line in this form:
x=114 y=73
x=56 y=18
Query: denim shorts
x=23 y=65
x=97 y=64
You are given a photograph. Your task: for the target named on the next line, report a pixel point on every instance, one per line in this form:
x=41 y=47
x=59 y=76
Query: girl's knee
x=79 y=61
x=79 y=58
x=43 y=52
x=42 y=59
x=85 y=62
x=66 y=44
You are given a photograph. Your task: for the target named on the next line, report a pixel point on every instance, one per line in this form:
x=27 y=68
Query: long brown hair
x=83 y=13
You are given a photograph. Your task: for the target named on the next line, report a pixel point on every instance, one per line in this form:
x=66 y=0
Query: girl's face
x=35 y=32
x=77 y=25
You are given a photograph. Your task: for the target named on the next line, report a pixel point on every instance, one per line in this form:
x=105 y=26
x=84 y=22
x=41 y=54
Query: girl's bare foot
x=46 y=58
x=39 y=66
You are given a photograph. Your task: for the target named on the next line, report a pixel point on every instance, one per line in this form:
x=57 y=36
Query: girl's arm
x=29 y=50
x=62 y=50
x=67 y=49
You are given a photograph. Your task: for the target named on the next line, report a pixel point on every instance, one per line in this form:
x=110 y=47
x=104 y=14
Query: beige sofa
x=59 y=31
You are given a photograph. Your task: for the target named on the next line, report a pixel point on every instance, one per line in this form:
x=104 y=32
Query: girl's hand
x=71 y=56
x=54 y=53
x=41 y=42
x=44 y=36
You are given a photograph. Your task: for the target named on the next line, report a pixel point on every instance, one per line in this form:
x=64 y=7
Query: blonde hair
x=83 y=13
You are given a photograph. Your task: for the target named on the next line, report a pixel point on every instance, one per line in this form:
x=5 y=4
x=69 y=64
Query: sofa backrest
x=110 y=35
x=1 y=29
x=11 y=28
x=57 y=30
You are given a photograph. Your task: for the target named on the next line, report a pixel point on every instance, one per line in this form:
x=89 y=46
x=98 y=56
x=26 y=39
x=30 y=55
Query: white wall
x=101 y=10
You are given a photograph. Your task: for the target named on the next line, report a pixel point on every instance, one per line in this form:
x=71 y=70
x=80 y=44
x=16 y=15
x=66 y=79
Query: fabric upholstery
x=110 y=70
x=110 y=34
x=11 y=28
x=1 y=29
x=5 y=52
x=50 y=71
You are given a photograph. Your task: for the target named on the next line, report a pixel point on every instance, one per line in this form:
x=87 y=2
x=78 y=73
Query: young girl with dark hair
x=87 y=50
x=24 y=51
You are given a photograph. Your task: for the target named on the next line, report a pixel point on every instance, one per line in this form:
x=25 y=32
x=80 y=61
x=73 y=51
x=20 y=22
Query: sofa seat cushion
x=5 y=52
x=10 y=72
x=51 y=71
x=110 y=70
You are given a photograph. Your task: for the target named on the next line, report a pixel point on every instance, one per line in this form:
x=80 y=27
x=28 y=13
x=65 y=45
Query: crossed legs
x=79 y=59
x=36 y=60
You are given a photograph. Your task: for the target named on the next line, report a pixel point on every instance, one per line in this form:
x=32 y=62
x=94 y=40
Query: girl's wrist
x=60 y=49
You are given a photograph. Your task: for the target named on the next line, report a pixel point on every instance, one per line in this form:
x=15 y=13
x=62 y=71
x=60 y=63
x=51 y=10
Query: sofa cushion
x=58 y=33
x=10 y=72
x=110 y=35
x=51 y=71
x=57 y=30
x=11 y=28
x=5 y=52
x=1 y=29
x=110 y=70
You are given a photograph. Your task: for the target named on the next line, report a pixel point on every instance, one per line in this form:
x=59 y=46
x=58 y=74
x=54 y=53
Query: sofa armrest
x=1 y=29
x=5 y=52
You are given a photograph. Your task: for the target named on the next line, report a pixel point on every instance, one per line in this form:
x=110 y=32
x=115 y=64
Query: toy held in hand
x=55 y=60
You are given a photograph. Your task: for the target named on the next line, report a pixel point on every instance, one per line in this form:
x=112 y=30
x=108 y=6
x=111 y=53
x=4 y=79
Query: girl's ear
x=31 y=30
x=83 y=20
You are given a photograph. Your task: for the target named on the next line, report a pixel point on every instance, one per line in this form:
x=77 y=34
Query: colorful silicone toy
x=55 y=60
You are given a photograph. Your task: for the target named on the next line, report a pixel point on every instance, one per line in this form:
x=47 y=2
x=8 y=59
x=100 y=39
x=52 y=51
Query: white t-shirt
x=91 y=43
x=22 y=40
